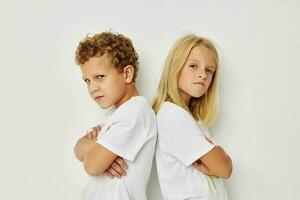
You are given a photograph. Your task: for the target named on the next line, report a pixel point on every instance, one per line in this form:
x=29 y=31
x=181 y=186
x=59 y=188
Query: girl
x=189 y=165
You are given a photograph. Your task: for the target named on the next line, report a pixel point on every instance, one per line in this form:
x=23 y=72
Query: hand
x=117 y=168
x=85 y=143
x=200 y=166
x=93 y=134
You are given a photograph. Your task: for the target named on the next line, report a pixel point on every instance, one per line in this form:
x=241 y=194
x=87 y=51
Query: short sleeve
x=123 y=136
x=182 y=136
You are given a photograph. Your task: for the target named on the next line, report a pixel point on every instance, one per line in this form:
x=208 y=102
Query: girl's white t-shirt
x=131 y=133
x=181 y=141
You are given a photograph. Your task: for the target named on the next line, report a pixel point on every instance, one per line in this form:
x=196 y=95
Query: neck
x=186 y=98
x=130 y=92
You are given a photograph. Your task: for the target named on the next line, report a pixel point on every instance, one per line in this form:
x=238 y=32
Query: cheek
x=115 y=87
x=183 y=79
x=209 y=82
x=180 y=82
x=90 y=91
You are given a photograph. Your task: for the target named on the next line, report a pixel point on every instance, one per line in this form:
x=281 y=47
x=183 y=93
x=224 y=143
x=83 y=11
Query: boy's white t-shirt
x=181 y=141
x=131 y=133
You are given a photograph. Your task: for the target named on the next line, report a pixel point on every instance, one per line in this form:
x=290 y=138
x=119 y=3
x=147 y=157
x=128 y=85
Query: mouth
x=199 y=83
x=98 y=97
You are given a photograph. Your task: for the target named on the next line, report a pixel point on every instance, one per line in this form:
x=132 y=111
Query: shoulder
x=172 y=112
x=134 y=109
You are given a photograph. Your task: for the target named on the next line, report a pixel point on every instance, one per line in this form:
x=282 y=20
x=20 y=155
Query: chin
x=198 y=95
x=104 y=106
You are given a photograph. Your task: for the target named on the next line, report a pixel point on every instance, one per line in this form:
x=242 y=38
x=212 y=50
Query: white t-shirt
x=181 y=141
x=130 y=132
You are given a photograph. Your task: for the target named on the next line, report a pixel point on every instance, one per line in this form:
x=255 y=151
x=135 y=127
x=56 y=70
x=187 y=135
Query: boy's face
x=105 y=84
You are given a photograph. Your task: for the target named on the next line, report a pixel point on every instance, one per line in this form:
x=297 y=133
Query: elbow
x=77 y=153
x=79 y=158
x=92 y=169
x=91 y=172
x=227 y=171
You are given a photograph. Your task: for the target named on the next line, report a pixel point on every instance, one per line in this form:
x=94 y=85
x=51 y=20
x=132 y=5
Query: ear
x=128 y=73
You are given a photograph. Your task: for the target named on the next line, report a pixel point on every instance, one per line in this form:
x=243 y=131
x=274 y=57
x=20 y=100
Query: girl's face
x=197 y=73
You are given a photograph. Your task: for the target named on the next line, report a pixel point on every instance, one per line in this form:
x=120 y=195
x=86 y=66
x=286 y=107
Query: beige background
x=45 y=106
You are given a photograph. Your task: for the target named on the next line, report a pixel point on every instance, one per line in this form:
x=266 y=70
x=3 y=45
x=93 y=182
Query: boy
x=109 y=66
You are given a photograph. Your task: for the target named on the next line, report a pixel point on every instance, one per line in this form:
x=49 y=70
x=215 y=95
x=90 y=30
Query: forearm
x=98 y=159
x=82 y=147
x=227 y=167
x=223 y=164
x=215 y=163
x=229 y=161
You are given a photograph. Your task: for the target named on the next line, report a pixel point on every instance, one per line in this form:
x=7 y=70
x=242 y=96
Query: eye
x=210 y=71
x=87 y=81
x=193 y=66
x=100 y=76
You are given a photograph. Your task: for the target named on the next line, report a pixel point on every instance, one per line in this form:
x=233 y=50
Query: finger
x=86 y=133
x=94 y=133
x=107 y=173
x=98 y=128
x=89 y=135
x=121 y=162
x=118 y=168
x=199 y=161
x=113 y=172
x=196 y=165
x=94 y=129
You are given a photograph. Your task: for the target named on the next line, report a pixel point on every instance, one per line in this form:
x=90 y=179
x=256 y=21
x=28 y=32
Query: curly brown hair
x=119 y=48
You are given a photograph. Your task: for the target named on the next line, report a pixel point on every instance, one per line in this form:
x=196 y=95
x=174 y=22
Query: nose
x=93 y=87
x=201 y=73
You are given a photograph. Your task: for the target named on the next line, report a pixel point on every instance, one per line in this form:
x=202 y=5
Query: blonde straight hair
x=203 y=109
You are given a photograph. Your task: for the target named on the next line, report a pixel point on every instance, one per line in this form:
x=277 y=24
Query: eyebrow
x=93 y=75
x=191 y=59
x=212 y=66
x=194 y=60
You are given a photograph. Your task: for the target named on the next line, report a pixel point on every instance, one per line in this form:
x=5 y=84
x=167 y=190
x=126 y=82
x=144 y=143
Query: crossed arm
x=215 y=163
x=96 y=158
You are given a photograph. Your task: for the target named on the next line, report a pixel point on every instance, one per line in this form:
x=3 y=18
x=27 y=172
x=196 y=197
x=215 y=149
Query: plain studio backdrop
x=45 y=106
